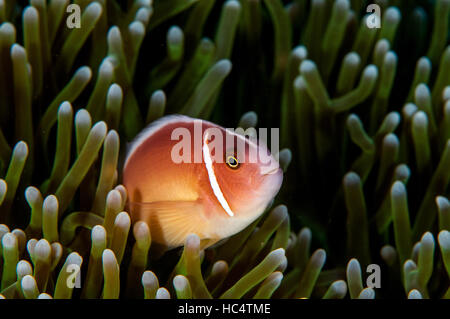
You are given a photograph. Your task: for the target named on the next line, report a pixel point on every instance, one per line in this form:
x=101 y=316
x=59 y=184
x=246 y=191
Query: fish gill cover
x=362 y=100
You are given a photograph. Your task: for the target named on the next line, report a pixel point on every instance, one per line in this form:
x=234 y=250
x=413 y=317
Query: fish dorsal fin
x=170 y=222
x=150 y=129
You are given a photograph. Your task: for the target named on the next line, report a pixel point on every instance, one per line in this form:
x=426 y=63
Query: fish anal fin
x=170 y=222
x=208 y=242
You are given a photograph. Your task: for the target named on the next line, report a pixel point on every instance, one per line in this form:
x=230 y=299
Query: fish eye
x=232 y=162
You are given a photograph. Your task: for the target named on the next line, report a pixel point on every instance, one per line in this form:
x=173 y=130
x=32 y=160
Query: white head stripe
x=213 y=180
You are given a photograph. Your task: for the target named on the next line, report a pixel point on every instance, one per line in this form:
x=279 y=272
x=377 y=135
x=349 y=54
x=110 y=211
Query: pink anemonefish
x=211 y=198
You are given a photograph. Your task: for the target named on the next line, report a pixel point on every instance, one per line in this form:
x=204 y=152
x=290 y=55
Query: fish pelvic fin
x=170 y=222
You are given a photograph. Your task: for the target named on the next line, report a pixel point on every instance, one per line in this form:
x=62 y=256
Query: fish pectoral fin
x=170 y=222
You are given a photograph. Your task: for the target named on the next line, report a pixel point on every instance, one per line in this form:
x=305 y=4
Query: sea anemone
x=364 y=118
